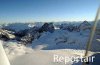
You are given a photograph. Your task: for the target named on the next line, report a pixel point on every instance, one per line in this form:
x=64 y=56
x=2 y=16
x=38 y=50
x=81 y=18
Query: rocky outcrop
x=85 y=25
x=69 y=27
x=6 y=34
x=47 y=27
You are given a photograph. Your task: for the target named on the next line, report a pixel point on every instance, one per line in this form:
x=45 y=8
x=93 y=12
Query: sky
x=47 y=10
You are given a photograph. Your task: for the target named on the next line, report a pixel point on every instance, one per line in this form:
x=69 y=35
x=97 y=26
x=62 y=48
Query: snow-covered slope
x=42 y=50
x=43 y=58
x=61 y=42
x=21 y=55
x=61 y=39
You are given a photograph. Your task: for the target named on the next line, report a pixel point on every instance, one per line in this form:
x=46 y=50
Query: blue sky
x=47 y=10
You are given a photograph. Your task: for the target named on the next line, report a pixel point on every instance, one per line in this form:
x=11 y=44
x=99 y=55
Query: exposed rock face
x=28 y=35
x=85 y=25
x=47 y=27
x=35 y=32
x=64 y=26
x=6 y=34
x=69 y=27
x=31 y=35
x=51 y=27
x=21 y=33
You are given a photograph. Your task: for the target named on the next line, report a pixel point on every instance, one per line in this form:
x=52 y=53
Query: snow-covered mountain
x=85 y=25
x=37 y=44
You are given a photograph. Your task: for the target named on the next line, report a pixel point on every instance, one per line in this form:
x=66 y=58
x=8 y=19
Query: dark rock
x=85 y=25
x=6 y=35
x=21 y=33
x=47 y=27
